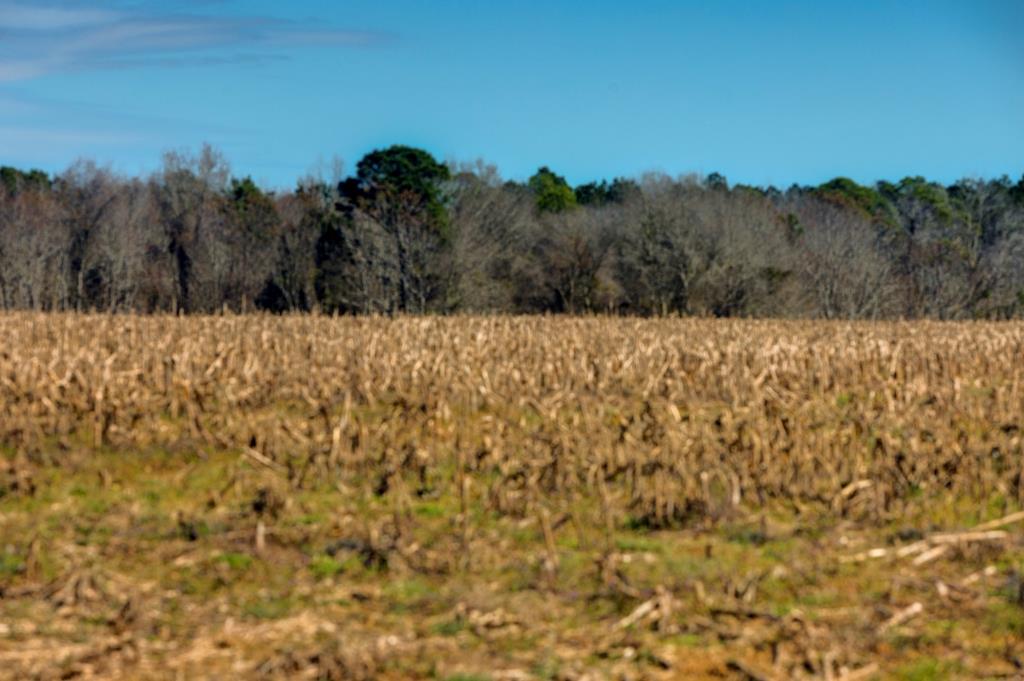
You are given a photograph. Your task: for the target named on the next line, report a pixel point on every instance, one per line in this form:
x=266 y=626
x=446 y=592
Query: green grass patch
x=638 y=544
x=686 y=641
x=1005 y=618
x=408 y=593
x=928 y=669
x=10 y=565
x=325 y=567
x=431 y=509
x=268 y=608
x=448 y=627
x=236 y=561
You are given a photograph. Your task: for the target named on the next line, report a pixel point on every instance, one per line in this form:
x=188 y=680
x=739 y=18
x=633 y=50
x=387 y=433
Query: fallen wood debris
x=938 y=544
x=903 y=616
x=1001 y=522
x=989 y=571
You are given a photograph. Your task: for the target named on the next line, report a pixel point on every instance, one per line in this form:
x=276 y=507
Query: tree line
x=407 y=234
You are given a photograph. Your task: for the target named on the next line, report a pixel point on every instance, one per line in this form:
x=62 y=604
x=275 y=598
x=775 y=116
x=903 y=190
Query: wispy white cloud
x=30 y=136
x=15 y=69
x=13 y=105
x=17 y=16
x=36 y=130
x=40 y=39
x=54 y=146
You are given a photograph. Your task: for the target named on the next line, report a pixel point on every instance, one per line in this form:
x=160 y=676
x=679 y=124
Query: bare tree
x=1006 y=262
x=843 y=273
x=357 y=266
x=186 y=189
x=34 y=252
x=653 y=256
x=293 y=279
x=117 y=245
x=126 y=254
x=490 y=226
x=740 y=256
x=235 y=253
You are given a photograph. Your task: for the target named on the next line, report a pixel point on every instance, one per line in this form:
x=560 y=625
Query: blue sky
x=763 y=92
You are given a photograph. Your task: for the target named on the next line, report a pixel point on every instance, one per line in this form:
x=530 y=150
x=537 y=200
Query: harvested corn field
x=509 y=498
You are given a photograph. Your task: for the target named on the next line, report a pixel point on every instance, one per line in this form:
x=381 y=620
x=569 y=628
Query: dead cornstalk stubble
x=555 y=457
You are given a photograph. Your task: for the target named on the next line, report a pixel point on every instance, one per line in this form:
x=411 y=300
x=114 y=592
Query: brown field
x=509 y=498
